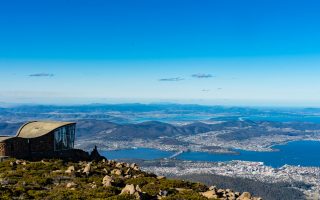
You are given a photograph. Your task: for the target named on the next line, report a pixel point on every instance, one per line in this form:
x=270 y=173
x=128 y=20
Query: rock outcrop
x=99 y=179
x=227 y=194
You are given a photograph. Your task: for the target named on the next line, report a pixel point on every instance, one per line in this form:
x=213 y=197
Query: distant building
x=39 y=139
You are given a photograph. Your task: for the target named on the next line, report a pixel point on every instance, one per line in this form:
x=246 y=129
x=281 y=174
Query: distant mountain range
x=145 y=130
x=177 y=126
x=153 y=129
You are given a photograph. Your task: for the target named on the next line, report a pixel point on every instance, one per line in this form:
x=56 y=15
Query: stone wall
x=2 y=149
x=44 y=143
x=16 y=147
x=23 y=147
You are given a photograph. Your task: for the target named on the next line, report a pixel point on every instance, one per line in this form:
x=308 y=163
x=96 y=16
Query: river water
x=303 y=153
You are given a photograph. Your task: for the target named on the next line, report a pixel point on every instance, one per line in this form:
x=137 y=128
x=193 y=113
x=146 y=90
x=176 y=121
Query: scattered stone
x=220 y=191
x=70 y=170
x=87 y=169
x=134 y=166
x=163 y=193
x=111 y=162
x=231 y=194
x=71 y=185
x=210 y=194
x=107 y=181
x=213 y=188
x=128 y=176
x=19 y=162
x=128 y=171
x=228 y=190
x=121 y=171
x=128 y=189
x=82 y=163
x=244 y=196
x=119 y=165
x=127 y=165
x=183 y=189
x=116 y=172
x=138 y=189
x=137 y=195
x=93 y=185
x=160 y=177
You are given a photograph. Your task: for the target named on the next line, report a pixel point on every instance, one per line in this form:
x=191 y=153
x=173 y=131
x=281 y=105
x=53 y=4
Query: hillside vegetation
x=55 y=179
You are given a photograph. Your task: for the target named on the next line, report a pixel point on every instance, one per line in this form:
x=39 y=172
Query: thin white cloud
x=200 y=75
x=171 y=79
x=41 y=75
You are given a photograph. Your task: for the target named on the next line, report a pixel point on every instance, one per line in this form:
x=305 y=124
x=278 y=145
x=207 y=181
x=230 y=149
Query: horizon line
x=4 y=104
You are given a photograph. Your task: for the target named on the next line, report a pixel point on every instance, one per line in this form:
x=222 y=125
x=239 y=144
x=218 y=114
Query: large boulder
x=117 y=172
x=87 y=169
x=160 y=177
x=138 y=189
x=70 y=170
x=244 y=196
x=213 y=188
x=107 y=181
x=93 y=185
x=120 y=165
x=71 y=185
x=211 y=194
x=134 y=166
x=19 y=162
x=128 y=189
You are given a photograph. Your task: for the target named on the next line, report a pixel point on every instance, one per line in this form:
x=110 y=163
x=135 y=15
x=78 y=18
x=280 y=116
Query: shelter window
x=64 y=138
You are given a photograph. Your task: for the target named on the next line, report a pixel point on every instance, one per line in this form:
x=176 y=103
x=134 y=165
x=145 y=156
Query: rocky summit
x=105 y=179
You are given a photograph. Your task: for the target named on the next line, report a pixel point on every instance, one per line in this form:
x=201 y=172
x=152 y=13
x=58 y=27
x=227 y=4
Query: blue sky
x=230 y=52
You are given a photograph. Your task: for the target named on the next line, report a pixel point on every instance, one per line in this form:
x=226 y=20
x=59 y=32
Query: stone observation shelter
x=40 y=139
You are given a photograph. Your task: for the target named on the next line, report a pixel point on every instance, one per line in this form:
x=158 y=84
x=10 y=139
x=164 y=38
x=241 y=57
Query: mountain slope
x=55 y=179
